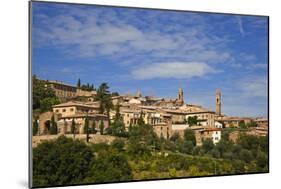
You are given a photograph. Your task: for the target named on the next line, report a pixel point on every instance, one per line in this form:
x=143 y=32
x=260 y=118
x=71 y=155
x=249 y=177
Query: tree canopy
x=109 y=166
x=43 y=97
x=193 y=120
x=118 y=127
x=189 y=135
x=58 y=163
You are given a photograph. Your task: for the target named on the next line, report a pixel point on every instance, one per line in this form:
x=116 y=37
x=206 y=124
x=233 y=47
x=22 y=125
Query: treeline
x=249 y=150
x=85 y=87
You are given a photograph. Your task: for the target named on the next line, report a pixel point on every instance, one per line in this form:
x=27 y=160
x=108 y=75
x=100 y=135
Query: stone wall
x=94 y=138
x=43 y=118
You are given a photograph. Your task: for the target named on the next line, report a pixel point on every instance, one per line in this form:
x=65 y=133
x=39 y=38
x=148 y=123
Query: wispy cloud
x=240 y=25
x=254 y=86
x=247 y=57
x=176 y=70
x=258 y=66
x=86 y=34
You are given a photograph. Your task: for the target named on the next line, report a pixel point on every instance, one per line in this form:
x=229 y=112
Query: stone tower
x=138 y=93
x=180 y=96
x=218 y=102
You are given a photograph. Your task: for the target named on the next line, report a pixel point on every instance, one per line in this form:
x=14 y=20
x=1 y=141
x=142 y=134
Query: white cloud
x=178 y=70
x=254 y=87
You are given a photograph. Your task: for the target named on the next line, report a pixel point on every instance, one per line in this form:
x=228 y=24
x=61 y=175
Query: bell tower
x=180 y=96
x=218 y=102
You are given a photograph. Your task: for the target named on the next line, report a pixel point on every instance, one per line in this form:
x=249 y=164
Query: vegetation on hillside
x=43 y=97
x=142 y=155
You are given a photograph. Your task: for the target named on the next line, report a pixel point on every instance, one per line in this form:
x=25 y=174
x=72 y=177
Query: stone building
x=232 y=121
x=66 y=91
x=64 y=113
x=204 y=117
x=208 y=133
x=162 y=130
x=201 y=133
x=131 y=117
x=262 y=122
x=62 y=90
x=65 y=122
x=44 y=122
x=177 y=116
x=73 y=107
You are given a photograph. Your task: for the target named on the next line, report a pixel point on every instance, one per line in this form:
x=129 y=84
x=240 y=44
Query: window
x=57 y=111
x=71 y=109
x=63 y=110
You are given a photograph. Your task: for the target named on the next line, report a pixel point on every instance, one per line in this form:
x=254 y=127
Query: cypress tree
x=73 y=128
x=79 y=83
x=141 y=120
x=86 y=128
x=94 y=127
x=101 y=127
x=53 y=128
x=35 y=128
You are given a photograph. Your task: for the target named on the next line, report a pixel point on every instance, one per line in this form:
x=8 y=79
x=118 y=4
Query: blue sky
x=156 y=52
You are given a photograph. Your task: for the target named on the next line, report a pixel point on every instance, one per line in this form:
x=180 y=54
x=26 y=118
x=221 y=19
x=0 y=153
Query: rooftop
x=76 y=103
x=61 y=83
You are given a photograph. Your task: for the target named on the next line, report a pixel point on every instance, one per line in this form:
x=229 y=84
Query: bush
x=189 y=135
x=175 y=137
x=109 y=167
x=246 y=155
x=60 y=162
x=172 y=172
x=208 y=145
x=118 y=144
x=262 y=159
x=47 y=103
x=187 y=147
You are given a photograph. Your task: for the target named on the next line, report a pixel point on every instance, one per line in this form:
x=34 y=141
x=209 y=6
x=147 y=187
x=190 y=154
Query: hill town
x=168 y=117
